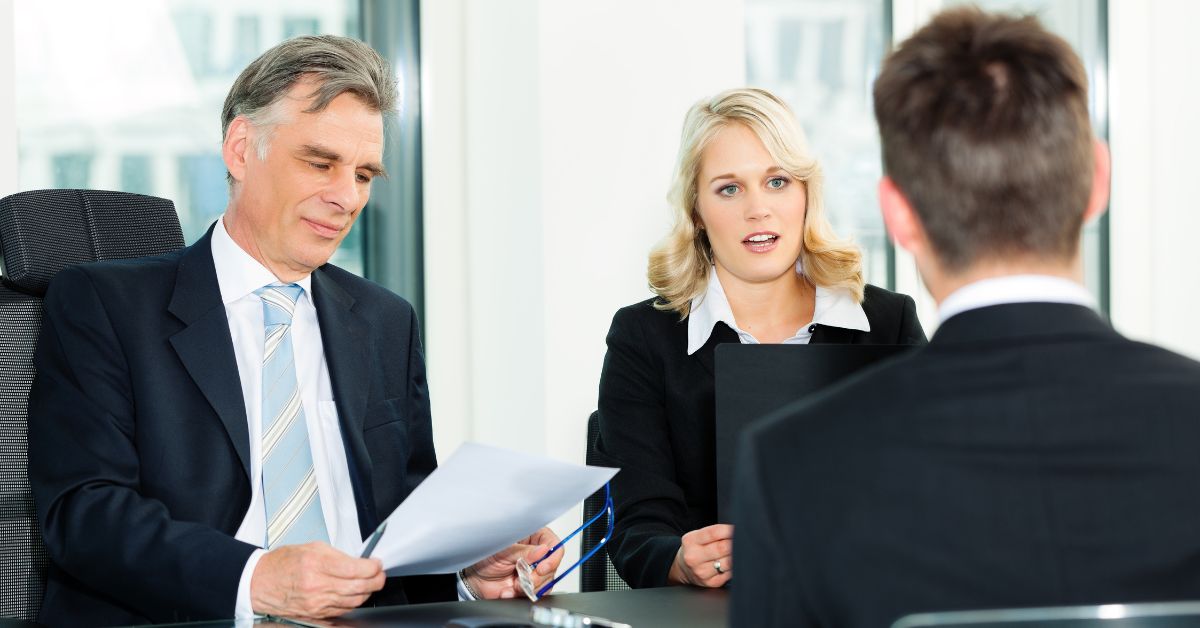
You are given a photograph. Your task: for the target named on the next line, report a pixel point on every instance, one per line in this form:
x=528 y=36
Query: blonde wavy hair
x=679 y=264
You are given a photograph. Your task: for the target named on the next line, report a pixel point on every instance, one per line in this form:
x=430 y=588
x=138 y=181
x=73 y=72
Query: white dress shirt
x=1014 y=289
x=238 y=276
x=833 y=308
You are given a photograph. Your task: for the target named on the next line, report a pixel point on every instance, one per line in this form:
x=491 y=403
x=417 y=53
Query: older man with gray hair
x=215 y=431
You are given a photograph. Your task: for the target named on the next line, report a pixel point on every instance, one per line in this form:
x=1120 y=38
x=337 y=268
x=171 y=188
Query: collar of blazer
x=1022 y=321
x=723 y=333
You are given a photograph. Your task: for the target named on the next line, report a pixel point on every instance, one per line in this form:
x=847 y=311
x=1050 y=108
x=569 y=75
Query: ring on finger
x=717 y=566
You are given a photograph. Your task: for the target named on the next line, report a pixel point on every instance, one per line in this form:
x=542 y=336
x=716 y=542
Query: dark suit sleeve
x=765 y=589
x=85 y=472
x=911 y=332
x=422 y=462
x=633 y=436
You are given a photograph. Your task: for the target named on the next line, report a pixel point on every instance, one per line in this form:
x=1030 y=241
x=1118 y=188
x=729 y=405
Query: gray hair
x=336 y=65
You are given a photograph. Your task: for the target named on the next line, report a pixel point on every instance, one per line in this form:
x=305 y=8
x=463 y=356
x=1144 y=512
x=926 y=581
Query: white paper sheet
x=478 y=502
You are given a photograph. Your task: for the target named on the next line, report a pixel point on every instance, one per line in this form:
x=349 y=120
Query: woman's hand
x=705 y=557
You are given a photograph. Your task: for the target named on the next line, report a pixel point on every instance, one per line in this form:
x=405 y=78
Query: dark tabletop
x=668 y=606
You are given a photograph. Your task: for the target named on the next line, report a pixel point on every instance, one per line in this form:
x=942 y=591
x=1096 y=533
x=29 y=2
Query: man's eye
x=318 y=165
x=362 y=178
x=728 y=190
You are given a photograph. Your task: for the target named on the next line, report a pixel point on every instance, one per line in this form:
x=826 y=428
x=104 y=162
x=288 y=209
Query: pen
x=374 y=540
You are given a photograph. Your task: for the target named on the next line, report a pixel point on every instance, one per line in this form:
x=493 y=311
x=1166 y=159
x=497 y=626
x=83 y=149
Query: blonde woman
x=752 y=259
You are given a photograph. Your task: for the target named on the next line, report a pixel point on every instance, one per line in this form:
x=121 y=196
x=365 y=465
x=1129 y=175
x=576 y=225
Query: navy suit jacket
x=139 y=446
x=1028 y=456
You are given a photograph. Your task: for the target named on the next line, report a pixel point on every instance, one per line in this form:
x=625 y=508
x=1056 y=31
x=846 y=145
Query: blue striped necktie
x=289 y=484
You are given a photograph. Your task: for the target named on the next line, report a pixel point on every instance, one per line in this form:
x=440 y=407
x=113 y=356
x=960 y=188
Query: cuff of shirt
x=464 y=594
x=245 y=607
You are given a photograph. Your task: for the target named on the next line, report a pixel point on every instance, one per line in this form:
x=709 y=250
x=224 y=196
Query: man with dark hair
x=1029 y=455
x=215 y=431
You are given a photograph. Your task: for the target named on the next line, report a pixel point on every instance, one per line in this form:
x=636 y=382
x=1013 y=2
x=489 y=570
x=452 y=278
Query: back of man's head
x=984 y=126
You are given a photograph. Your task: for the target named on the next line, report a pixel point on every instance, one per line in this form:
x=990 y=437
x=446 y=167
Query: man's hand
x=698 y=554
x=312 y=580
x=496 y=576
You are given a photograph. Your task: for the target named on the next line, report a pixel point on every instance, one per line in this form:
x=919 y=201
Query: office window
x=207 y=201
x=296 y=26
x=195 y=29
x=246 y=38
x=127 y=94
x=72 y=170
x=821 y=57
x=137 y=174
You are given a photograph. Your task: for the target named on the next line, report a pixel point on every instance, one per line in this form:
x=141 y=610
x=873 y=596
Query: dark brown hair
x=984 y=127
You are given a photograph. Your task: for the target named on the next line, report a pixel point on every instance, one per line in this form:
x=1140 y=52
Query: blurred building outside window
x=126 y=95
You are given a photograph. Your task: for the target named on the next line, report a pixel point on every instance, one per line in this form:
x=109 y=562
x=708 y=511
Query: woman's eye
x=728 y=190
x=777 y=183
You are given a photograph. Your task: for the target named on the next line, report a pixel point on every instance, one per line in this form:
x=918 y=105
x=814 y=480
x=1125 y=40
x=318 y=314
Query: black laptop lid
x=755 y=380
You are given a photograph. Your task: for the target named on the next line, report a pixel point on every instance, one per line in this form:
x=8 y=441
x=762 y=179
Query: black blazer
x=657 y=414
x=139 y=447
x=1029 y=456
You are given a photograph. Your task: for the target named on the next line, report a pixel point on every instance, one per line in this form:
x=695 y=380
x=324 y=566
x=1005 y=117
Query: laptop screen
x=755 y=380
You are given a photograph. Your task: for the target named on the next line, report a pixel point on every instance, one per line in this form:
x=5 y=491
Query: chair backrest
x=1141 y=615
x=596 y=574
x=42 y=232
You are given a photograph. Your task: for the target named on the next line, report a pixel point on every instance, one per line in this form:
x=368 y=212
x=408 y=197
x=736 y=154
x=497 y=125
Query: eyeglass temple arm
x=608 y=508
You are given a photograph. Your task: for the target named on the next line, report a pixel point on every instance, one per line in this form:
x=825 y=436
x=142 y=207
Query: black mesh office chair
x=42 y=232
x=597 y=574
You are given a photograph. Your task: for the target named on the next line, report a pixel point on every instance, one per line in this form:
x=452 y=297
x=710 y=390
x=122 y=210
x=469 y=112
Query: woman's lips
x=762 y=242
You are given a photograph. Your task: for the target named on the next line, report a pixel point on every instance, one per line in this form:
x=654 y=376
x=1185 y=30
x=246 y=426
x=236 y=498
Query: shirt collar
x=239 y=274
x=1014 y=289
x=833 y=308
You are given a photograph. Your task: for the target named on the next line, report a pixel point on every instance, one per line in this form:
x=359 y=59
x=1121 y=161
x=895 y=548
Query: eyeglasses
x=525 y=570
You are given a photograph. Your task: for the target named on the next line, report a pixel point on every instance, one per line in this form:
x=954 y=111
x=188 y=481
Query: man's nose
x=343 y=190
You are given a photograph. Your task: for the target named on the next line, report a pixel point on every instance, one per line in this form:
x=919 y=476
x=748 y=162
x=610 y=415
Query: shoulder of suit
x=138 y=270
x=362 y=289
x=884 y=307
x=644 y=313
x=882 y=298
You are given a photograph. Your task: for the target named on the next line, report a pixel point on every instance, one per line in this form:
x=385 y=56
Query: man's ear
x=1101 y=178
x=235 y=148
x=900 y=218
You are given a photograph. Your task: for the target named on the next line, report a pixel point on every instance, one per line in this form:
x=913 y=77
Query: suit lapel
x=205 y=345
x=721 y=334
x=344 y=337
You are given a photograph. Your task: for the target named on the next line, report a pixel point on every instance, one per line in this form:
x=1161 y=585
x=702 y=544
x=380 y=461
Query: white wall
x=8 y=102
x=1155 y=133
x=550 y=132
